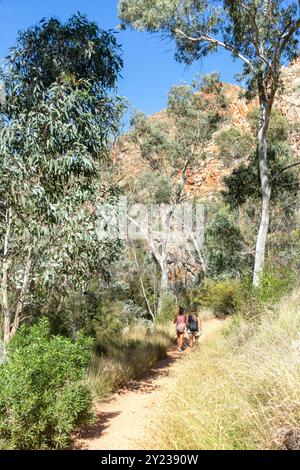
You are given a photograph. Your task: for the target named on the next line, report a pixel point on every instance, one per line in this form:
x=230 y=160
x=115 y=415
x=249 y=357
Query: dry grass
x=239 y=390
x=205 y=313
x=134 y=352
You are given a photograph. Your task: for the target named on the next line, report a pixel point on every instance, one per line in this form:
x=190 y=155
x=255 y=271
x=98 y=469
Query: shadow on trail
x=93 y=431
x=147 y=382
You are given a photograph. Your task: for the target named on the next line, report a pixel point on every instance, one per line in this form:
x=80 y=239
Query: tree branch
x=207 y=38
x=149 y=242
x=142 y=284
x=253 y=16
x=195 y=243
x=286 y=168
x=286 y=37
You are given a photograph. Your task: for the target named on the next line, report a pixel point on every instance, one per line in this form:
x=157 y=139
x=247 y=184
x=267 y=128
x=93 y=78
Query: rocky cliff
x=289 y=100
x=207 y=177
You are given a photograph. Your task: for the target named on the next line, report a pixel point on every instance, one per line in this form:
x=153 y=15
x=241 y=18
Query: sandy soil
x=123 y=421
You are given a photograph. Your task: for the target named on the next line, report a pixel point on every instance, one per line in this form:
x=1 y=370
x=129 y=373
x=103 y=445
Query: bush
x=234 y=144
x=218 y=295
x=223 y=242
x=247 y=302
x=251 y=302
x=274 y=284
x=42 y=395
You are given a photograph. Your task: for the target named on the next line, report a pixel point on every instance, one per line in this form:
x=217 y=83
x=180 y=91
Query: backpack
x=193 y=325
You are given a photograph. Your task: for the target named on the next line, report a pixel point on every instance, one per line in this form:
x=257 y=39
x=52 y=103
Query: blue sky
x=149 y=66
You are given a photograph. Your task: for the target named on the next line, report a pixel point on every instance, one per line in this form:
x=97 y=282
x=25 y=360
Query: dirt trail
x=123 y=419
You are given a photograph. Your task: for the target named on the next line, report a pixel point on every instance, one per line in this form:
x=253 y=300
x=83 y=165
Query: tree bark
x=164 y=282
x=23 y=294
x=166 y=217
x=265 y=111
x=4 y=282
x=142 y=286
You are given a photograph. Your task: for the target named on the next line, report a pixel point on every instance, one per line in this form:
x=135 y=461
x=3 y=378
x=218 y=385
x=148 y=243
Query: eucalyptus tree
x=243 y=185
x=173 y=147
x=78 y=48
x=242 y=188
x=262 y=34
x=57 y=117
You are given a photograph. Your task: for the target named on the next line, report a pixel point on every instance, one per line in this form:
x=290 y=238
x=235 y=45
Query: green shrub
x=42 y=395
x=251 y=302
x=234 y=144
x=218 y=295
x=222 y=250
x=247 y=302
x=274 y=284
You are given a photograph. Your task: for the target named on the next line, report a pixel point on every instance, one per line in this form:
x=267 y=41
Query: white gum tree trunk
x=265 y=111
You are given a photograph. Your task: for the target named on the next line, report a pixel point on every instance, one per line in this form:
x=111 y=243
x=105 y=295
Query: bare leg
x=181 y=338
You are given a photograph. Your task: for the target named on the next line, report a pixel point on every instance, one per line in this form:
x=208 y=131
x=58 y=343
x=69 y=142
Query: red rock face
x=289 y=100
x=207 y=178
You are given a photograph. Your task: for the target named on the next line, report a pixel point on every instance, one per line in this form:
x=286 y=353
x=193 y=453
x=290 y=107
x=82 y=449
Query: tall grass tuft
x=118 y=360
x=240 y=389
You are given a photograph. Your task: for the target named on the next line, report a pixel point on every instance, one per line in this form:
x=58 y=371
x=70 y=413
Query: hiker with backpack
x=180 y=322
x=194 y=326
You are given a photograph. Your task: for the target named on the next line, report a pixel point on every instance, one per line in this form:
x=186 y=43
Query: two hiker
x=191 y=325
